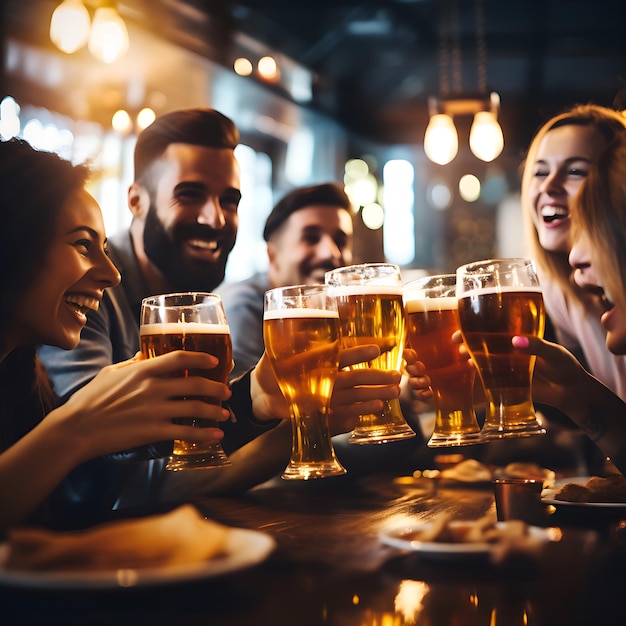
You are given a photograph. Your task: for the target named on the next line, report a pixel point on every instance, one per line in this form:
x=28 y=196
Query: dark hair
x=328 y=194
x=200 y=127
x=34 y=185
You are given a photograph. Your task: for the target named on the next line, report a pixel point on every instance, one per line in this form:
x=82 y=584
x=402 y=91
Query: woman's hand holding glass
x=132 y=403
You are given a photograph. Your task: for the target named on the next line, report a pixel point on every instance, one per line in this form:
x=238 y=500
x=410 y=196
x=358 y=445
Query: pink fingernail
x=521 y=342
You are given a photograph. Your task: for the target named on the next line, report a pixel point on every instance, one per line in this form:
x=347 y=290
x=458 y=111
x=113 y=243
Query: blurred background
x=321 y=91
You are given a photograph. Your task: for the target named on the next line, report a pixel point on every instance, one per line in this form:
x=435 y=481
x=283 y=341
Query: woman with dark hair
x=54 y=270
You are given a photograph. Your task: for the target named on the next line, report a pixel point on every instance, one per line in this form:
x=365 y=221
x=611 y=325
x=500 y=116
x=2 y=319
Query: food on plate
x=484 y=530
x=597 y=489
x=528 y=470
x=468 y=471
x=180 y=536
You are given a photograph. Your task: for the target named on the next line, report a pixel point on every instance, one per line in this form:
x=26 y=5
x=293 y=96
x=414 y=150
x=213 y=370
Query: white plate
x=244 y=548
x=547 y=495
x=401 y=538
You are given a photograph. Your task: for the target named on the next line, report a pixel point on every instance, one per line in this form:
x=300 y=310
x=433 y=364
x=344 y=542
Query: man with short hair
x=308 y=232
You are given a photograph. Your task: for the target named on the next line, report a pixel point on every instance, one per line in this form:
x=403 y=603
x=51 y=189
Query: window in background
x=249 y=254
x=399 y=224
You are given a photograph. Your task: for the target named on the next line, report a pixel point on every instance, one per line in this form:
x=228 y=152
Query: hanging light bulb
x=109 y=38
x=486 y=139
x=441 y=141
x=69 y=26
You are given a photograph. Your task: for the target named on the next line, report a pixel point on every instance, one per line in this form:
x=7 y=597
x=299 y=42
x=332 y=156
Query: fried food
x=180 y=536
x=597 y=489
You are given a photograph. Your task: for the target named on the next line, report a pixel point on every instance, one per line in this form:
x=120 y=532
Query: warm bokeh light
x=373 y=216
x=9 y=118
x=267 y=68
x=121 y=122
x=145 y=117
x=469 y=188
x=109 y=38
x=441 y=141
x=242 y=66
x=69 y=26
x=486 y=139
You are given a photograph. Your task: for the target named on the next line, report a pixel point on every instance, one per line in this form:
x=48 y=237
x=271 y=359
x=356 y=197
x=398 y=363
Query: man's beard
x=164 y=252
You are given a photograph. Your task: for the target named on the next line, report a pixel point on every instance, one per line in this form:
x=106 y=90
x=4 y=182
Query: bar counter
x=329 y=567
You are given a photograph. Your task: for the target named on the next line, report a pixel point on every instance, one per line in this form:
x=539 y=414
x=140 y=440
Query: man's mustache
x=195 y=231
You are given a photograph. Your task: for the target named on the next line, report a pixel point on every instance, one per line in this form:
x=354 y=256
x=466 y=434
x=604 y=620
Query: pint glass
x=197 y=322
x=432 y=318
x=301 y=334
x=498 y=299
x=371 y=311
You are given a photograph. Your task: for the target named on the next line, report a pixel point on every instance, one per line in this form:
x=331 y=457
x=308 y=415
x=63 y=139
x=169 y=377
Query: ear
x=138 y=200
x=271 y=251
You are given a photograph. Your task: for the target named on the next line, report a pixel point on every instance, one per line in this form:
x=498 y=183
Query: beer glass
x=301 y=334
x=371 y=311
x=432 y=318
x=197 y=322
x=500 y=298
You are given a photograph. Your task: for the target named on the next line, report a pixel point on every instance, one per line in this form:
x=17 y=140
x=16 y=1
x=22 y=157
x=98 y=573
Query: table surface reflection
x=330 y=568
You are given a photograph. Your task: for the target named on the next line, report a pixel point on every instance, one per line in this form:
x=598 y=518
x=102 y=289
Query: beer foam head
x=185 y=328
x=281 y=314
x=340 y=291
x=417 y=305
x=501 y=289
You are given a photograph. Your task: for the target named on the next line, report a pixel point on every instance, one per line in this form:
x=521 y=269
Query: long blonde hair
x=608 y=123
x=600 y=213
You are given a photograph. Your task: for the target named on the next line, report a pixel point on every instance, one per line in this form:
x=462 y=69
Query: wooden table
x=330 y=568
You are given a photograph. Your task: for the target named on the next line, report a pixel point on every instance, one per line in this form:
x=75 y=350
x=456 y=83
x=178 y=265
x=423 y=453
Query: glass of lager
x=301 y=334
x=189 y=321
x=432 y=318
x=371 y=311
x=500 y=298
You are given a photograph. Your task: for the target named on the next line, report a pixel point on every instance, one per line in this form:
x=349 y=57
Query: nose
x=106 y=272
x=552 y=182
x=211 y=214
x=327 y=248
x=580 y=261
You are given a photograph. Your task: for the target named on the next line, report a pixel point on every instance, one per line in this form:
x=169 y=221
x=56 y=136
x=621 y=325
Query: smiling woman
x=55 y=269
x=557 y=164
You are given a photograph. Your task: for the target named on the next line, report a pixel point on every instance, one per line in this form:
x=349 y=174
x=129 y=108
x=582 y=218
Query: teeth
x=606 y=300
x=203 y=243
x=554 y=212
x=84 y=302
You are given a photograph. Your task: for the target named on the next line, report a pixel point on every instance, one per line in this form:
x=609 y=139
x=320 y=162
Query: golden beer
x=489 y=319
x=374 y=314
x=303 y=348
x=195 y=321
x=431 y=321
x=157 y=339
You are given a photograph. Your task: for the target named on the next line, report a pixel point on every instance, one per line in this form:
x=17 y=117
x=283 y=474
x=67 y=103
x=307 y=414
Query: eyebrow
x=568 y=160
x=91 y=231
x=202 y=187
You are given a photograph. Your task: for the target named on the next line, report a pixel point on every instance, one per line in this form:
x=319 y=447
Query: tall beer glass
x=432 y=318
x=301 y=333
x=197 y=322
x=500 y=298
x=371 y=311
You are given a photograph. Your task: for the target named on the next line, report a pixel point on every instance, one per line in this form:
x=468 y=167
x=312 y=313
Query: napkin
x=177 y=537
